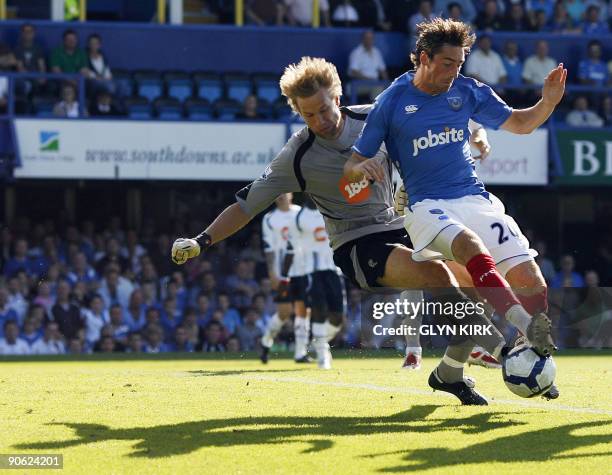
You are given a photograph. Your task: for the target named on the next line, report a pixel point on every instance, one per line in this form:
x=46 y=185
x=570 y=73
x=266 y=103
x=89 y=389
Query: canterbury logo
x=433 y=140
x=411 y=109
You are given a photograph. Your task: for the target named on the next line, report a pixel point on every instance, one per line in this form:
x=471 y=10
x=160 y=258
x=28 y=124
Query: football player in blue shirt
x=422 y=118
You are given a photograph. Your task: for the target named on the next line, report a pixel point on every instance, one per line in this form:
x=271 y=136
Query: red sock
x=490 y=284
x=535 y=304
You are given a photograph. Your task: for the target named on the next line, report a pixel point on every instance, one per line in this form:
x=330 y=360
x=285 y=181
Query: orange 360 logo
x=355 y=192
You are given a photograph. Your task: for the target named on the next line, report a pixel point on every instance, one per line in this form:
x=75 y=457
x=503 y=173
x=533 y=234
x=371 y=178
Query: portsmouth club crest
x=455 y=102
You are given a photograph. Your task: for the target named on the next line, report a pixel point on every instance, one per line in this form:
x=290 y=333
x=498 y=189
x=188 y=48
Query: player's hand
x=184 y=249
x=483 y=147
x=400 y=200
x=554 y=85
x=372 y=169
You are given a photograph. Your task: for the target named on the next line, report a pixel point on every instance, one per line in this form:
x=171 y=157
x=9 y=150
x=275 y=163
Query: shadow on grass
x=204 y=372
x=318 y=432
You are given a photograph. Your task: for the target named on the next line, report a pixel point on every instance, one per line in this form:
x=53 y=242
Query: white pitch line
x=389 y=389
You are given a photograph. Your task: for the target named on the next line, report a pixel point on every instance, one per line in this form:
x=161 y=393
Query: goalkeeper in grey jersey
x=367 y=235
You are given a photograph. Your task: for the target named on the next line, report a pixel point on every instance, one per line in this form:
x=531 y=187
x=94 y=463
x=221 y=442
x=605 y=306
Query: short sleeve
x=278 y=178
x=490 y=110
x=374 y=132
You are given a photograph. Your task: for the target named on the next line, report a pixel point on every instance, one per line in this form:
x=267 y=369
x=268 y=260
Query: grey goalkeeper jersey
x=316 y=166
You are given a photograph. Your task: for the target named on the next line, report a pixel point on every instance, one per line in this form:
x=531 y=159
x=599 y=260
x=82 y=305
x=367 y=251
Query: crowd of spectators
x=79 y=289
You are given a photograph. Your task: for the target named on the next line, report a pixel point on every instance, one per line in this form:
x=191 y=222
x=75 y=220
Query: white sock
x=301 y=329
x=331 y=330
x=272 y=329
x=519 y=317
x=413 y=322
x=320 y=337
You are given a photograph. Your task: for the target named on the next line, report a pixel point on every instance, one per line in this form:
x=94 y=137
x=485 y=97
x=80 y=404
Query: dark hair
x=69 y=31
x=433 y=35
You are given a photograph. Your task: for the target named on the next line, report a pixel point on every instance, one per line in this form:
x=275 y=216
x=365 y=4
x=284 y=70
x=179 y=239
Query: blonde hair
x=307 y=77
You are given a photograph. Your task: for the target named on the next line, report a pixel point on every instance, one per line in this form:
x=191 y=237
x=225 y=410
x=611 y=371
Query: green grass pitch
x=201 y=415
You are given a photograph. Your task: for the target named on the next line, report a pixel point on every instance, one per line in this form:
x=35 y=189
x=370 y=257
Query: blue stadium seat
x=149 y=84
x=43 y=106
x=169 y=109
x=267 y=87
x=226 y=109
x=138 y=108
x=238 y=86
x=209 y=86
x=265 y=108
x=199 y=109
x=124 y=84
x=178 y=85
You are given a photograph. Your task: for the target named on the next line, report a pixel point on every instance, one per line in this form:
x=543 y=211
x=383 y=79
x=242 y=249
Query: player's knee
x=467 y=245
x=436 y=274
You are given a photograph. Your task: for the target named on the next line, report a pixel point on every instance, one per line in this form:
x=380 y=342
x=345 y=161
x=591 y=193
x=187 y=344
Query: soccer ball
x=526 y=373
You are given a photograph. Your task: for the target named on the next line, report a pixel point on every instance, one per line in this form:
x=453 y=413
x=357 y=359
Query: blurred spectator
x=133 y=251
x=605 y=111
x=44 y=296
x=65 y=313
x=68 y=106
x=28 y=53
x=592 y=24
x=575 y=9
x=6 y=312
x=366 y=62
x=112 y=256
x=249 y=110
x=11 y=344
x=512 y=64
x=95 y=318
x=154 y=340
x=485 y=64
x=561 y=22
x=97 y=64
x=540 y=21
x=233 y=344
x=538 y=65
x=455 y=13
x=299 y=12
x=106 y=345
x=264 y=314
x=69 y=58
x=181 y=341
x=546 y=265
x=119 y=328
x=242 y=284
x=424 y=13
x=136 y=311
x=81 y=271
x=466 y=7
x=593 y=71
x=103 y=106
x=547 y=7
x=489 y=19
x=32 y=330
x=213 y=334
x=3 y=94
x=16 y=299
x=345 y=14
x=582 y=116
x=249 y=333
x=516 y=19
x=75 y=347
x=52 y=342
x=8 y=62
x=20 y=260
x=114 y=288
x=566 y=277
x=373 y=14
x=264 y=12
x=134 y=343
x=231 y=317
x=170 y=316
x=190 y=324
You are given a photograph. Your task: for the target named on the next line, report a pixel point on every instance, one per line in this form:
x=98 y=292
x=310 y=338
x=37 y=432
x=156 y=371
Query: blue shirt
x=514 y=70
x=427 y=136
x=595 y=71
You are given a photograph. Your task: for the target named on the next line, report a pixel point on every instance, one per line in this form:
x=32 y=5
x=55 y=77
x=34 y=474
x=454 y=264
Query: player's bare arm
x=230 y=221
x=480 y=140
x=525 y=121
x=357 y=167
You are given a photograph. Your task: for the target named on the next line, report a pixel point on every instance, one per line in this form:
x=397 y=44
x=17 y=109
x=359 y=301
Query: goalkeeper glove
x=400 y=201
x=185 y=249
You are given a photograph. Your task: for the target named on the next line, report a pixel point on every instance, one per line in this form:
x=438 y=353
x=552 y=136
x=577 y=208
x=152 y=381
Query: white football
x=526 y=373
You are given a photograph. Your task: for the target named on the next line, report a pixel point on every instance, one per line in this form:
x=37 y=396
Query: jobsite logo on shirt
x=355 y=192
x=433 y=140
